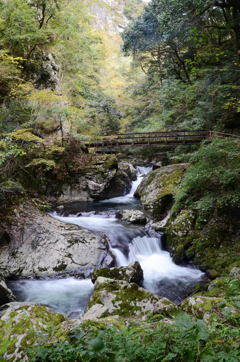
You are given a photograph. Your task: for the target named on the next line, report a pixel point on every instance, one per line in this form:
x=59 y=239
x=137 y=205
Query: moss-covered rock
x=157 y=190
x=133 y=273
x=212 y=308
x=207 y=244
x=23 y=325
x=117 y=297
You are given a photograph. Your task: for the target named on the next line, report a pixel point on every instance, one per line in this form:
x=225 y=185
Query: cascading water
x=161 y=275
x=128 y=243
x=129 y=198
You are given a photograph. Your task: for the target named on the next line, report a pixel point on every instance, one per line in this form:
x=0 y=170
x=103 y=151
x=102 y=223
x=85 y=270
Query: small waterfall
x=143 y=246
x=161 y=275
x=141 y=172
x=127 y=199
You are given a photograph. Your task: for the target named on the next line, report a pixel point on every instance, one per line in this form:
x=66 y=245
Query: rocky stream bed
x=94 y=259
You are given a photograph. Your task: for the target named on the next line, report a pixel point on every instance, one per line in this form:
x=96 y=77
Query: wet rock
x=158 y=188
x=6 y=294
x=23 y=325
x=132 y=216
x=129 y=169
x=4 y=238
x=106 y=180
x=132 y=273
x=157 y=165
x=41 y=245
x=118 y=297
x=181 y=225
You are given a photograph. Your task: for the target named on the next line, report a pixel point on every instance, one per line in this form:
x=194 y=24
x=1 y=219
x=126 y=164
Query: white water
x=158 y=265
x=128 y=244
x=141 y=172
x=67 y=296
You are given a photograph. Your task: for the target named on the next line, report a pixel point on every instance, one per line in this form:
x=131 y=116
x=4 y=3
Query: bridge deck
x=151 y=138
x=173 y=138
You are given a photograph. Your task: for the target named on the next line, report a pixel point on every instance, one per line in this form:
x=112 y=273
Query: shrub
x=212 y=182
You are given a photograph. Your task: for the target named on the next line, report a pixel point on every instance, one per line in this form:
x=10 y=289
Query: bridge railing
x=223 y=135
x=176 y=137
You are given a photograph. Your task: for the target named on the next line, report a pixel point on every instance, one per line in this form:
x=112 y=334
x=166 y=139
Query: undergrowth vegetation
x=182 y=339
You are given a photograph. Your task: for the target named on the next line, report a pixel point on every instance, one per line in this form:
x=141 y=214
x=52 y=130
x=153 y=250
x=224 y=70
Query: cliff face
x=109 y=15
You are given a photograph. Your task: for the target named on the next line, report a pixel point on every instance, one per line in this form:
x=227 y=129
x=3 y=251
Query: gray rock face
x=132 y=273
x=118 y=297
x=101 y=183
x=41 y=245
x=48 y=75
x=6 y=295
x=158 y=188
x=132 y=216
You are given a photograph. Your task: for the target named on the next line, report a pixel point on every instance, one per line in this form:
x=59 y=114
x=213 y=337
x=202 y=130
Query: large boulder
x=107 y=179
x=6 y=294
x=41 y=245
x=132 y=273
x=118 y=297
x=158 y=188
x=132 y=216
x=24 y=325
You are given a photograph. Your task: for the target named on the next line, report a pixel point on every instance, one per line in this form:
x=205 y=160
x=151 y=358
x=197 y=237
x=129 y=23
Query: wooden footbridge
x=164 y=138
x=148 y=139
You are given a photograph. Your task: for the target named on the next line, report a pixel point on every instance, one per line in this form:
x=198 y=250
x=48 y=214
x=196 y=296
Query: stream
x=128 y=243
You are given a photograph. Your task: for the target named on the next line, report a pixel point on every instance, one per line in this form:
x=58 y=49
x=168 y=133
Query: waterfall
x=126 y=199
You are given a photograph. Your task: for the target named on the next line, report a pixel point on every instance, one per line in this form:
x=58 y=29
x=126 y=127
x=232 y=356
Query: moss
x=128 y=299
x=114 y=273
x=209 y=247
x=60 y=267
x=25 y=135
x=159 y=187
x=25 y=326
x=110 y=163
x=215 y=309
x=200 y=306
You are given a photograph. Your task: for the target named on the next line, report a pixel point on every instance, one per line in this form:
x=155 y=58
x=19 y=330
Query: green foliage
x=211 y=184
x=105 y=115
x=189 y=54
x=42 y=163
x=133 y=8
x=25 y=135
x=184 y=339
x=26 y=25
